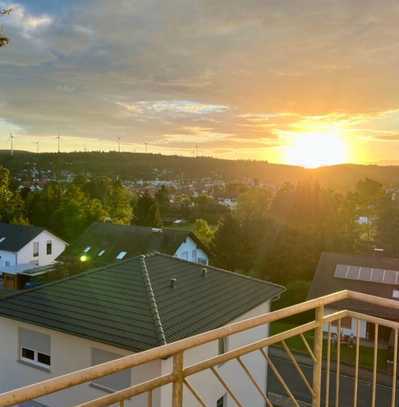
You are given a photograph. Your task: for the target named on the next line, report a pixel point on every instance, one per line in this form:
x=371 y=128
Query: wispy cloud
x=172 y=106
x=24 y=21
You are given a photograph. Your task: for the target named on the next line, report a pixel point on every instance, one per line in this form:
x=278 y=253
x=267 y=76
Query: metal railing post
x=177 y=395
x=318 y=352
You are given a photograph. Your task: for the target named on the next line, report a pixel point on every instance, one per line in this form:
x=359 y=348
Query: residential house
x=368 y=274
x=128 y=307
x=105 y=243
x=25 y=247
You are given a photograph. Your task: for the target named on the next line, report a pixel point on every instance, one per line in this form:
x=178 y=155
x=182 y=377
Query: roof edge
x=221 y=270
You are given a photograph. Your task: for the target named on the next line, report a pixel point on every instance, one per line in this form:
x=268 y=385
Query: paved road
x=297 y=386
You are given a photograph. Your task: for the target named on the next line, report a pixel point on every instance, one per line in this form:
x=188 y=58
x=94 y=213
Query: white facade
x=40 y=251
x=190 y=251
x=70 y=353
x=348 y=326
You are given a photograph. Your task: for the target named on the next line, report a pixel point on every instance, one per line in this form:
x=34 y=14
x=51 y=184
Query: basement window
x=100 y=253
x=87 y=249
x=2 y=239
x=121 y=255
x=34 y=348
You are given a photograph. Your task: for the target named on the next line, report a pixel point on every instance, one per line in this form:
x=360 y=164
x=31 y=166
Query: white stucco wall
x=190 y=251
x=206 y=383
x=7 y=258
x=70 y=353
x=25 y=255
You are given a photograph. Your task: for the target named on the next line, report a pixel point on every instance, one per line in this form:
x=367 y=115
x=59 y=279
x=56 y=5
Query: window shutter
x=35 y=341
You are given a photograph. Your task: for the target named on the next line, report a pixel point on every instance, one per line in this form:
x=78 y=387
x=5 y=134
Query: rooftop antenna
x=11 y=144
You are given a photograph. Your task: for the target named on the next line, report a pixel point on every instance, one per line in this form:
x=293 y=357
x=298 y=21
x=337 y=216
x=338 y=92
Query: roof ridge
x=221 y=270
x=153 y=302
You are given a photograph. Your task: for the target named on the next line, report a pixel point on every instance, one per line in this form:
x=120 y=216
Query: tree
x=388 y=228
x=12 y=207
x=254 y=203
x=226 y=245
x=203 y=231
x=147 y=211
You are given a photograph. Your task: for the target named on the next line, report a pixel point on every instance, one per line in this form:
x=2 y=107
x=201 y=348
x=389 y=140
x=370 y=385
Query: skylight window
x=100 y=253
x=121 y=255
x=88 y=248
x=2 y=239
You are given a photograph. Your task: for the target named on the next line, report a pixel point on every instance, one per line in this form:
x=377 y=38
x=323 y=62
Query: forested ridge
x=133 y=166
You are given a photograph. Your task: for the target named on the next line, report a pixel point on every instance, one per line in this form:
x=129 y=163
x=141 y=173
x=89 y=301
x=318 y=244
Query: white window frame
x=35 y=360
x=395 y=294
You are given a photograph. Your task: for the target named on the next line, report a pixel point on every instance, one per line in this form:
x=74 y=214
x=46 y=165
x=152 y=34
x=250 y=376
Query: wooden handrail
x=53 y=385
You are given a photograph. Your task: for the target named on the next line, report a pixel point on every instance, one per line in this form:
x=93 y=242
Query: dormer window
x=100 y=253
x=87 y=249
x=121 y=255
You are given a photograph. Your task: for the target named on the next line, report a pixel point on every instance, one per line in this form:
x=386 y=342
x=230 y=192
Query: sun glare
x=316 y=150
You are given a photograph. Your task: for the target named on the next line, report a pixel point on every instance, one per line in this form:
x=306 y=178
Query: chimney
x=173 y=282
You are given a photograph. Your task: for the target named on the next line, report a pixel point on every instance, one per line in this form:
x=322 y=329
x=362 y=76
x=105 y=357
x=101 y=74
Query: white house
x=105 y=243
x=128 y=307
x=25 y=246
x=370 y=274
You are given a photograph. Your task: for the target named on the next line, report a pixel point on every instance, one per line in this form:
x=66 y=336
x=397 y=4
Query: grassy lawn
x=348 y=354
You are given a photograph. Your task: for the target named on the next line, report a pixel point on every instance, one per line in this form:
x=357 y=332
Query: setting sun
x=315 y=150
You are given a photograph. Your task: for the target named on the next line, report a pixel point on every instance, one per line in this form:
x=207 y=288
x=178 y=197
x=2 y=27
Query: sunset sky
x=307 y=82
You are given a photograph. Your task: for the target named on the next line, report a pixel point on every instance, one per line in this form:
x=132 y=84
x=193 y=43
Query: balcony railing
x=324 y=371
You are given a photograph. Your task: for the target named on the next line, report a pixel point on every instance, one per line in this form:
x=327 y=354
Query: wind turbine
x=11 y=144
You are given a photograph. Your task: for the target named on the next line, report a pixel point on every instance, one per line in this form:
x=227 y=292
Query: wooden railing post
x=318 y=352
x=178 y=380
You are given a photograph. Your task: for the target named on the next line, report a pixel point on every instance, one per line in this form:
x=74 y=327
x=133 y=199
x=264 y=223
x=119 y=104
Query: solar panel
x=369 y=274
x=340 y=271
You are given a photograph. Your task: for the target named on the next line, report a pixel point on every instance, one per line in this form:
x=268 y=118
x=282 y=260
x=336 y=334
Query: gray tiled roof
x=135 y=240
x=132 y=305
x=324 y=281
x=17 y=236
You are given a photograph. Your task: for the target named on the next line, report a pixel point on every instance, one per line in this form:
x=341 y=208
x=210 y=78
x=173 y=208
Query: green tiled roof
x=110 y=239
x=132 y=304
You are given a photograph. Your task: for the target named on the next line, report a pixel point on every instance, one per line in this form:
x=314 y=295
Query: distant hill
x=149 y=166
